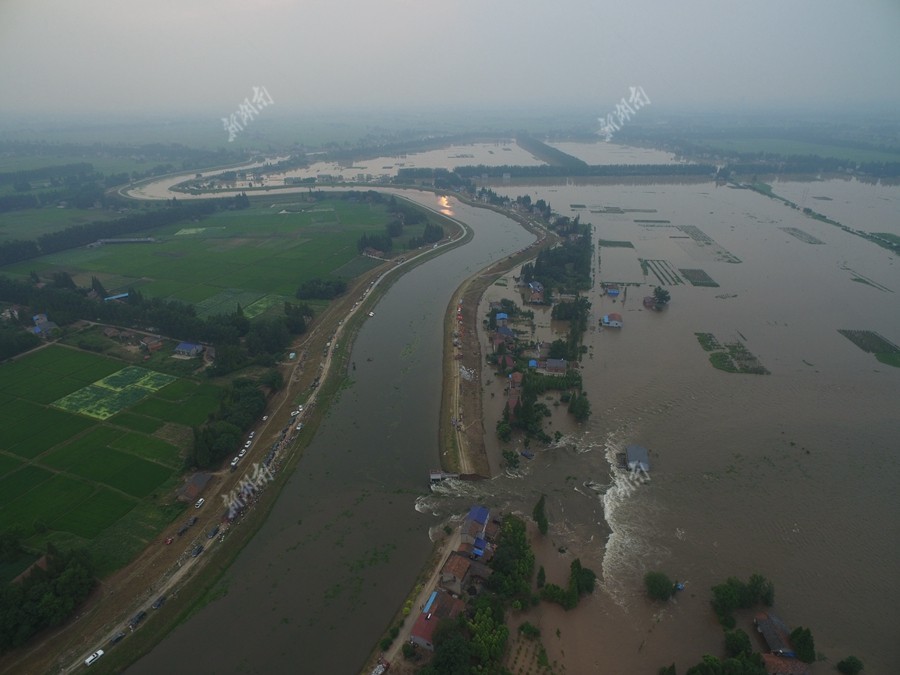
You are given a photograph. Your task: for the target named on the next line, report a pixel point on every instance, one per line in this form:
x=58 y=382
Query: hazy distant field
x=785 y=147
x=68 y=478
x=256 y=257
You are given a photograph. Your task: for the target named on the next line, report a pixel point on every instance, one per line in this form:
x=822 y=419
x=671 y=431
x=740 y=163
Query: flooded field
x=789 y=474
x=489 y=154
x=602 y=152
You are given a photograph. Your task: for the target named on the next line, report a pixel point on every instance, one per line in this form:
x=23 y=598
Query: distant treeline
x=544 y=171
x=46 y=173
x=186 y=157
x=549 y=154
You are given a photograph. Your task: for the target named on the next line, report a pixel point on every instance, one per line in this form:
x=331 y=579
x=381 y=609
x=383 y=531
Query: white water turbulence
x=597 y=509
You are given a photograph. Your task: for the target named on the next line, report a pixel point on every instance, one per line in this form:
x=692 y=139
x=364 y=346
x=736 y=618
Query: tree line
x=17 y=250
x=46 y=597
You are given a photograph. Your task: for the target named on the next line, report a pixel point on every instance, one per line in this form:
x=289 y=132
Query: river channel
x=318 y=585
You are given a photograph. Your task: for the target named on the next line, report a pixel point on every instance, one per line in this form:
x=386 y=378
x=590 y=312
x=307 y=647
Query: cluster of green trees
x=735 y=594
x=566 y=267
x=579 y=406
x=712 y=665
x=659 y=585
x=581 y=582
x=529 y=413
x=45 y=598
x=471 y=645
x=321 y=289
x=513 y=563
x=380 y=241
x=576 y=313
x=240 y=407
x=14 y=340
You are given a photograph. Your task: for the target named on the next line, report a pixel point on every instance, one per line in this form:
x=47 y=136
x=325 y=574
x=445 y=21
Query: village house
x=188 y=349
x=515 y=380
x=780 y=665
x=501 y=318
x=454 y=573
x=556 y=365
x=440 y=605
x=775 y=633
x=535 y=293
x=612 y=320
x=151 y=344
x=43 y=327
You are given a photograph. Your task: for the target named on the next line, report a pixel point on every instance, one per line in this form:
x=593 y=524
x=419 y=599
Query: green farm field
x=257 y=256
x=75 y=480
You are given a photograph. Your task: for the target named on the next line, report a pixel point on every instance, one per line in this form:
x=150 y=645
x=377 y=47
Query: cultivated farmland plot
x=114 y=393
x=78 y=474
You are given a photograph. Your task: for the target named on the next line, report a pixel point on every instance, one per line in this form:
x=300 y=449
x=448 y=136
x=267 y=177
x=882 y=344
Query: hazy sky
x=206 y=55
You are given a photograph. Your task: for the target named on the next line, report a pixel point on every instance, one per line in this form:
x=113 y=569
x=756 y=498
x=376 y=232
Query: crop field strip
x=698 y=278
x=870 y=341
x=731 y=357
x=663 y=270
x=702 y=239
x=805 y=237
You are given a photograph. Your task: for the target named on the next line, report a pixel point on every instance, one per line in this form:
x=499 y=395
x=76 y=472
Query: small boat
x=371 y=313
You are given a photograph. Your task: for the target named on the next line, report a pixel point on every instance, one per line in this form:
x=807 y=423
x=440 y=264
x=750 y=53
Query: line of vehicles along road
x=196 y=551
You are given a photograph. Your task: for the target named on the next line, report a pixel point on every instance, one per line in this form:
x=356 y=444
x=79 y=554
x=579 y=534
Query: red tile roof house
x=440 y=606
x=781 y=665
x=454 y=573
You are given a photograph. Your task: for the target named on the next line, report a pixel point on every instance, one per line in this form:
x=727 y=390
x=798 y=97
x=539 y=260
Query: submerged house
x=612 y=320
x=637 y=458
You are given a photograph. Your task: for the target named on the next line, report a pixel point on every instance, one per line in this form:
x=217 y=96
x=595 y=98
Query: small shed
x=502 y=318
x=637 y=458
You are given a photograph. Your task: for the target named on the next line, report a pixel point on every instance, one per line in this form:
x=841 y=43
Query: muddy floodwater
x=791 y=474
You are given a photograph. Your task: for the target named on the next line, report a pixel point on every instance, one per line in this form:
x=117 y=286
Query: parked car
x=184 y=528
x=117 y=638
x=213 y=532
x=160 y=601
x=197 y=551
x=169 y=540
x=252 y=434
x=93 y=657
x=242 y=452
x=265 y=417
x=193 y=521
x=200 y=502
x=294 y=413
x=136 y=619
